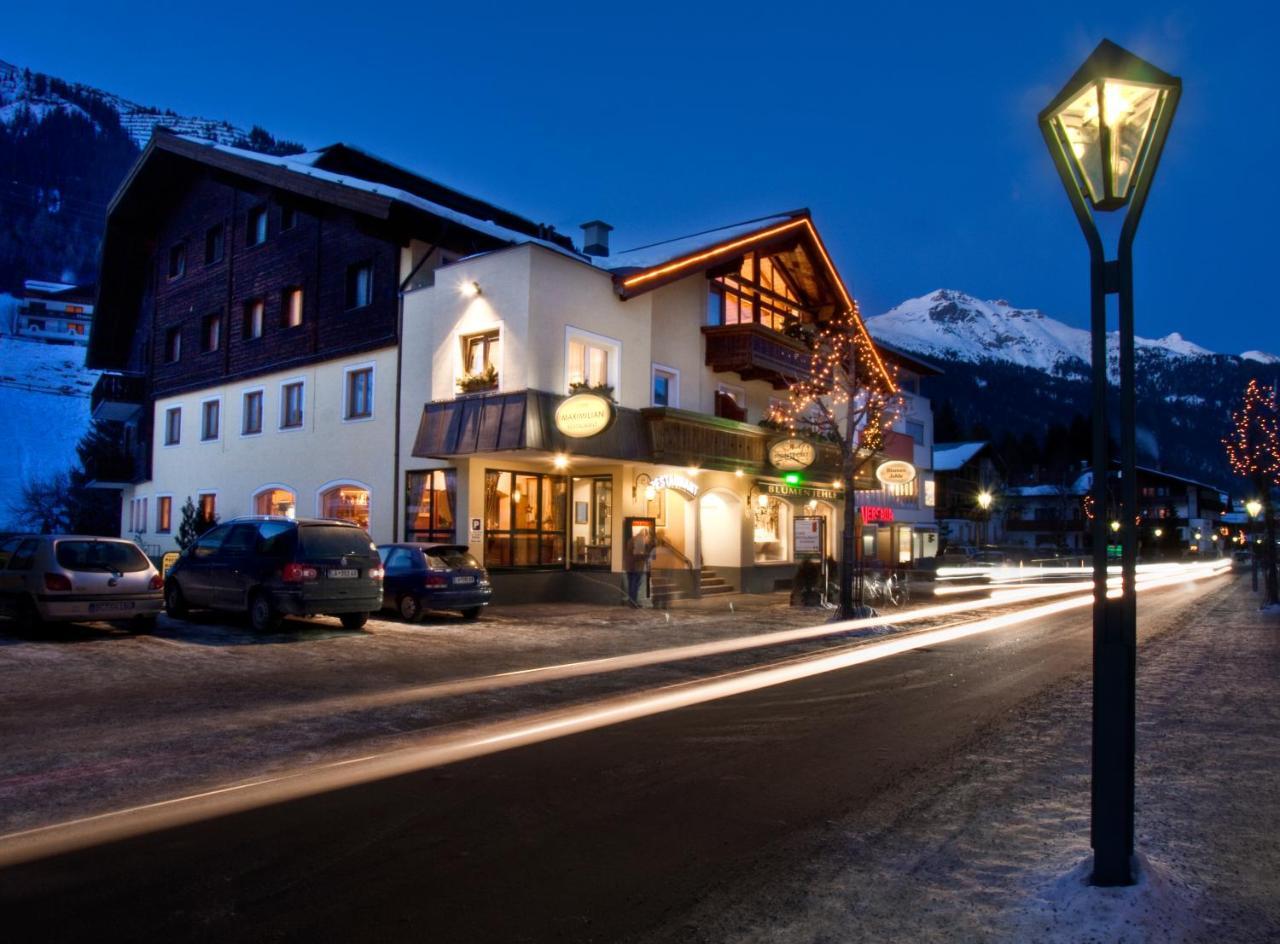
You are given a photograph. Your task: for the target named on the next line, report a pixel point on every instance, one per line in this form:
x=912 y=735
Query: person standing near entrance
x=639 y=553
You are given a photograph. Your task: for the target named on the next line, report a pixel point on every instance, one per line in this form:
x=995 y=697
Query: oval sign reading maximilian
x=895 y=472
x=583 y=415
x=792 y=454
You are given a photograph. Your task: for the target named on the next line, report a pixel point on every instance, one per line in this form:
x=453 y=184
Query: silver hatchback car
x=78 y=578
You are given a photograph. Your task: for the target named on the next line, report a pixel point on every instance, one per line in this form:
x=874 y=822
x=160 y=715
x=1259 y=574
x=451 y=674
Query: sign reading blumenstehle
x=896 y=472
x=583 y=415
x=792 y=454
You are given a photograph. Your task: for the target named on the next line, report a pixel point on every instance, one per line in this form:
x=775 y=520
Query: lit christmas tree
x=850 y=399
x=1253 y=448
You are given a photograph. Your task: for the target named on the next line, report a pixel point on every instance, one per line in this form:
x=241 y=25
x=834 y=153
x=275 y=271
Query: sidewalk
x=992 y=845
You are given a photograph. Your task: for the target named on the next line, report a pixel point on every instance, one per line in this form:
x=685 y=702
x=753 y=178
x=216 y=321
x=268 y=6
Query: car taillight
x=437 y=581
x=57 y=582
x=157 y=582
x=376 y=573
x=299 y=573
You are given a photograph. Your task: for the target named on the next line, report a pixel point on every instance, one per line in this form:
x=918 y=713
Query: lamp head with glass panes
x=1108 y=125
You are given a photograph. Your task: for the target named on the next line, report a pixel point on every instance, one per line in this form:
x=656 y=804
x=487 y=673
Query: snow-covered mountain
x=22 y=89
x=956 y=326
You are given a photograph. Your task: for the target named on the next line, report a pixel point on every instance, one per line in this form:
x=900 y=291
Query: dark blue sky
x=908 y=129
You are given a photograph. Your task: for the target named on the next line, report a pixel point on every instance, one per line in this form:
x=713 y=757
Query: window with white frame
x=666 y=386
x=591 y=361
x=291 y=405
x=251 y=418
x=164 y=514
x=173 y=426
x=210 y=419
x=359 y=394
x=481 y=358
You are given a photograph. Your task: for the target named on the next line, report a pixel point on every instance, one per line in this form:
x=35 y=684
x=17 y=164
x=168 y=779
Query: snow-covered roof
x=652 y=254
x=53 y=288
x=302 y=165
x=947 y=457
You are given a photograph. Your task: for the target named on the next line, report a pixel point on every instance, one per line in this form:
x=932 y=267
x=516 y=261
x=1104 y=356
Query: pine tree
x=1253 y=449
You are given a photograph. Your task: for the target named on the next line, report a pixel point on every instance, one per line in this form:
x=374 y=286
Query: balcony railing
x=755 y=352
x=117 y=397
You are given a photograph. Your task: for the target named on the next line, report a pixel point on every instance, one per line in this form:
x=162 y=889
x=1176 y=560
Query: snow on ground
x=44 y=410
x=991 y=845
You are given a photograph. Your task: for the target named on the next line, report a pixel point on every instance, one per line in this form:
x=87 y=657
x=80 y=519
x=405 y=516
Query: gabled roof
x=947 y=457
x=649 y=267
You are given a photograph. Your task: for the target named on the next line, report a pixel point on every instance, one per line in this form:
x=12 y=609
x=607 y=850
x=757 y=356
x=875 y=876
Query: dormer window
x=762 y=291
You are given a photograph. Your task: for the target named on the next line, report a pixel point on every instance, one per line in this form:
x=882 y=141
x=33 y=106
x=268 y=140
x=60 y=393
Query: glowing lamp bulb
x=763 y=501
x=650 y=493
x=1115 y=526
x=470 y=289
x=560 y=462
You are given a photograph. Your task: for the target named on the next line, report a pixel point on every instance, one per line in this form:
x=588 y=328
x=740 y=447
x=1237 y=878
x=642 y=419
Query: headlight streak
x=481 y=740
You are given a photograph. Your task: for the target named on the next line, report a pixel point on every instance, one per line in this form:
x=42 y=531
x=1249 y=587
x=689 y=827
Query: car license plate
x=347 y=573
x=110 y=607
x=463 y=581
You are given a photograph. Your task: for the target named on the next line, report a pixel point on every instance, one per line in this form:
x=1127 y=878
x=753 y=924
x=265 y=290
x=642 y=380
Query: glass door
x=591 y=538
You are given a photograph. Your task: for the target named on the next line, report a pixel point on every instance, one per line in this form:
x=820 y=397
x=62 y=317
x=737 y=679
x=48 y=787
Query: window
x=291 y=307
x=211 y=333
x=770 y=521
x=761 y=292
x=291 y=405
x=731 y=403
x=430 y=505
x=251 y=417
x=288 y=217
x=254 y=312
x=359 y=394
x=142 y=514
x=207 y=506
x=347 y=502
x=666 y=386
x=256 y=227
x=164 y=514
x=524 y=519
x=177 y=260
x=275 y=501
x=172 y=345
x=481 y=354
x=588 y=364
x=173 y=426
x=591 y=526
x=916 y=431
x=210 y=414
x=359 y=284
x=213 y=244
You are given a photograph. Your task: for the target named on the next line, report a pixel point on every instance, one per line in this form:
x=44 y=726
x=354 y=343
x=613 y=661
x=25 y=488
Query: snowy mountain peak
x=952 y=324
x=1262 y=357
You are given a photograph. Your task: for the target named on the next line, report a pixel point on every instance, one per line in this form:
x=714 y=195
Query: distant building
x=964 y=471
x=55 y=311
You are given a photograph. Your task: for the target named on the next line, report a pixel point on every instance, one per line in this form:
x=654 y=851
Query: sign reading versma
x=583 y=415
x=792 y=454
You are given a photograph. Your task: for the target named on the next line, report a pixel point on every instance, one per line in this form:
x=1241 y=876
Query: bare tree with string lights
x=850 y=399
x=1253 y=448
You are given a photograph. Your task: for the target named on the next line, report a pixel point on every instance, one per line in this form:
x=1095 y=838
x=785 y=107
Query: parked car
x=433 y=577
x=956 y=555
x=1242 y=560
x=69 y=578
x=270 y=567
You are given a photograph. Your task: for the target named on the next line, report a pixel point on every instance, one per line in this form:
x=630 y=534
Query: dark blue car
x=422 y=577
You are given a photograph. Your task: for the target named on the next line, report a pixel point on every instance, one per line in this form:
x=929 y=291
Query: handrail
x=663 y=542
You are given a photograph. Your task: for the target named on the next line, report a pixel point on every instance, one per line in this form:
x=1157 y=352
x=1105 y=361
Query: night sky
x=908 y=129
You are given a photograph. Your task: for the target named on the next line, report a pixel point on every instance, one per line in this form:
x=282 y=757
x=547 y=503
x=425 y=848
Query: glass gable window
x=761 y=292
x=524 y=519
x=430 y=505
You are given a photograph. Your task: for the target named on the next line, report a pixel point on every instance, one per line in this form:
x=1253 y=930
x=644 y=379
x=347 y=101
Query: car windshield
x=331 y=540
x=451 y=558
x=115 y=556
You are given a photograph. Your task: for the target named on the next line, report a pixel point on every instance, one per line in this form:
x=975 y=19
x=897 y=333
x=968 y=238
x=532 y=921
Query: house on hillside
x=330 y=334
x=54 y=311
x=965 y=472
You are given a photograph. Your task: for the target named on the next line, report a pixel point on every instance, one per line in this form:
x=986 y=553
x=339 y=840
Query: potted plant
x=486 y=379
x=604 y=390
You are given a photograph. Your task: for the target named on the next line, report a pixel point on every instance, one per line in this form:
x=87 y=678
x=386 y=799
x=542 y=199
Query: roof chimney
x=595 y=238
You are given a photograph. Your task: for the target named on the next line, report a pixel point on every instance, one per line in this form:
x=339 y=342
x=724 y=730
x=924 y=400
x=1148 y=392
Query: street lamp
x=984 y=502
x=1254 y=508
x=1106 y=130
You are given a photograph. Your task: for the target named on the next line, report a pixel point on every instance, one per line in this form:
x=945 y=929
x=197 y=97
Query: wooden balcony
x=755 y=352
x=117 y=397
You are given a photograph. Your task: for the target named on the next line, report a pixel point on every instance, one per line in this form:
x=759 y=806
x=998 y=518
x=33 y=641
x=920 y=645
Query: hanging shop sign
x=583 y=415
x=895 y=472
x=677 y=482
x=876 y=514
x=792 y=454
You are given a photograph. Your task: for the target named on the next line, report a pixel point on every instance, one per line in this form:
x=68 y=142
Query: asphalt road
x=593 y=837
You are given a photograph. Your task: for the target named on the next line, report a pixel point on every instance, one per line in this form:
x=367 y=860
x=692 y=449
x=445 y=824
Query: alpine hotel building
x=328 y=334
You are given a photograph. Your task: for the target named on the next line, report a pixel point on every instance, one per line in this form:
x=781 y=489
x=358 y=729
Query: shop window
x=173 y=426
x=591 y=536
x=348 y=503
x=430 y=505
x=164 y=514
x=359 y=394
x=251 y=422
x=771 y=518
x=291 y=307
x=524 y=516
x=275 y=501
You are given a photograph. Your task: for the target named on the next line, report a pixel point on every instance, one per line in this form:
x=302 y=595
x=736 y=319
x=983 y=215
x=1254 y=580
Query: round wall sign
x=896 y=472
x=792 y=454
x=583 y=415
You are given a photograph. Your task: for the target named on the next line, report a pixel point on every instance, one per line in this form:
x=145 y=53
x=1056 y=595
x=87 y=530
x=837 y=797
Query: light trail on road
x=485 y=739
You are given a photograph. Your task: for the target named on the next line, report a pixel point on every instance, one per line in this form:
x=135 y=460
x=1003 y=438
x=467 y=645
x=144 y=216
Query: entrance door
x=591 y=522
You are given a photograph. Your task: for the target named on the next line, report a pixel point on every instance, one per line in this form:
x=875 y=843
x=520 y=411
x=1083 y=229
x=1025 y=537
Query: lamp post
x=1254 y=508
x=984 y=502
x=1105 y=131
